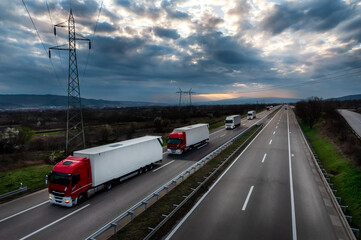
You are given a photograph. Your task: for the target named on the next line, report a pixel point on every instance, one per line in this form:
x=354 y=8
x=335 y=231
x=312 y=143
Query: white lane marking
x=163 y=166
x=292 y=155
x=202 y=146
x=50 y=224
x=216 y=131
x=276 y=126
x=164 y=153
x=247 y=199
x=264 y=157
x=270 y=141
x=274 y=132
x=294 y=232
x=214 y=184
x=222 y=135
x=4 y=219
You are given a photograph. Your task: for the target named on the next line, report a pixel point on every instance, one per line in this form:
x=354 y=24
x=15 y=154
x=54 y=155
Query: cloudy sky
x=144 y=50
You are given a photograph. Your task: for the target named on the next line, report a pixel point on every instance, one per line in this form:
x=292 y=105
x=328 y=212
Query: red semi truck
x=80 y=176
x=182 y=139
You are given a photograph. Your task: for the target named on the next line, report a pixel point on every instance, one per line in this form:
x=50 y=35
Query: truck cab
x=251 y=115
x=176 y=142
x=69 y=181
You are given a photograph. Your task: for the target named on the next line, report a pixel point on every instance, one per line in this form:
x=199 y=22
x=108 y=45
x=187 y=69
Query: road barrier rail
x=352 y=233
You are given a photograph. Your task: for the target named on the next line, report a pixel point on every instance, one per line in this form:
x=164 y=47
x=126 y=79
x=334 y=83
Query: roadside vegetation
x=32 y=177
x=138 y=228
x=338 y=149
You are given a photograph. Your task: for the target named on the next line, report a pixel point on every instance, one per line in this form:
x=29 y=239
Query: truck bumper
x=63 y=201
x=174 y=151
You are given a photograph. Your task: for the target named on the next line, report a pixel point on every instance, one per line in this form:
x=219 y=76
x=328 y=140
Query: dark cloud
x=166 y=33
x=145 y=10
x=316 y=16
x=105 y=27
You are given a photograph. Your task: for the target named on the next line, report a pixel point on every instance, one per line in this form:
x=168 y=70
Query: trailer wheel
x=140 y=171
x=151 y=166
x=108 y=186
x=145 y=169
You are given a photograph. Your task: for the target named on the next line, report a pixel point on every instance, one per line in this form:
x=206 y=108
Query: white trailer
x=233 y=121
x=115 y=160
x=251 y=115
x=195 y=133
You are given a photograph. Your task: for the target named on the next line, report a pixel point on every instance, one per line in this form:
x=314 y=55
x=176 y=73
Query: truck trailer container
x=251 y=115
x=78 y=177
x=185 y=138
x=233 y=121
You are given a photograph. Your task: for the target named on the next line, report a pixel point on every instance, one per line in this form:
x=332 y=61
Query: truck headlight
x=67 y=201
x=50 y=198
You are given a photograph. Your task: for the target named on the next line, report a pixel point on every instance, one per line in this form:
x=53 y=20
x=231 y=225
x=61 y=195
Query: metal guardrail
x=21 y=189
x=141 y=206
x=346 y=220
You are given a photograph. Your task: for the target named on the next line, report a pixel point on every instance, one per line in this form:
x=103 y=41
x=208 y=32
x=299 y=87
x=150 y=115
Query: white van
x=251 y=115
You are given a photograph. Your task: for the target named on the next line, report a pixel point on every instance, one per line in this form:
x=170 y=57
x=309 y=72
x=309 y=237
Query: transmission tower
x=75 y=137
x=189 y=93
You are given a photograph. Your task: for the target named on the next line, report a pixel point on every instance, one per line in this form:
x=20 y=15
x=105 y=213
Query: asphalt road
x=271 y=191
x=353 y=119
x=32 y=217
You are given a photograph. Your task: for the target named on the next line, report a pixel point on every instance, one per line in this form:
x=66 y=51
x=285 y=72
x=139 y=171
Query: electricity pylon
x=75 y=137
x=185 y=93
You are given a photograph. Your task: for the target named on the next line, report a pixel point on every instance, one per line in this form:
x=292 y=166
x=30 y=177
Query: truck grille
x=58 y=193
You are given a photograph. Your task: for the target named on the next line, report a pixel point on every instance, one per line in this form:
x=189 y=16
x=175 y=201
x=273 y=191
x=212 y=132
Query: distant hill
x=349 y=97
x=234 y=101
x=25 y=101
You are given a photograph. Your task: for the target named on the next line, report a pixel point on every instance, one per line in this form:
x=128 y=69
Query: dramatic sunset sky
x=146 y=50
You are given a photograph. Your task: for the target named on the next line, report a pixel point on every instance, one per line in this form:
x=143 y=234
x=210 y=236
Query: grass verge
x=32 y=177
x=344 y=175
x=138 y=228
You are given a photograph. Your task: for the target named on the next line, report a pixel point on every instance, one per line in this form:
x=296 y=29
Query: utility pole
x=75 y=137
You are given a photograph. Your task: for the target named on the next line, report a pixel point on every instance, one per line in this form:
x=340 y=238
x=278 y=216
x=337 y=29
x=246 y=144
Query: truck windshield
x=229 y=121
x=175 y=140
x=60 y=178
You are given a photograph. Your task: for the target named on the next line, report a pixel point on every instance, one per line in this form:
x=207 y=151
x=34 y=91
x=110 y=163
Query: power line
x=56 y=39
x=95 y=29
x=46 y=52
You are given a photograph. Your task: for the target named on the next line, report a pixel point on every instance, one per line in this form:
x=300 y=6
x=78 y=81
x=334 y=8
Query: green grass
x=32 y=177
x=344 y=175
x=216 y=125
x=138 y=228
x=49 y=133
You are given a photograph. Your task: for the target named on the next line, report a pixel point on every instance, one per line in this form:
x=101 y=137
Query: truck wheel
x=151 y=166
x=81 y=198
x=145 y=169
x=140 y=171
x=108 y=185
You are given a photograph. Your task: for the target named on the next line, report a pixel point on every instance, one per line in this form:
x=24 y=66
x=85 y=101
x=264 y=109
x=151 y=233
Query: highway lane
x=271 y=191
x=353 y=119
x=103 y=207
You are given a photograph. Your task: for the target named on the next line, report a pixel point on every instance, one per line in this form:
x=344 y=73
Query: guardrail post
x=131 y=213
x=349 y=218
x=356 y=231
x=343 y=208
x=114 y=225
x=145 y=204
x=157 y=194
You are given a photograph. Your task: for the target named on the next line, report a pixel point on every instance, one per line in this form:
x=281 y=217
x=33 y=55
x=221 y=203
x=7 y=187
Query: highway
x=271 y=191
x=32 y=217
x=353 y=119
